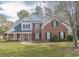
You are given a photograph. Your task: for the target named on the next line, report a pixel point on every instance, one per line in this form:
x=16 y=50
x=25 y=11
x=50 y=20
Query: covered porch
x=20 y=36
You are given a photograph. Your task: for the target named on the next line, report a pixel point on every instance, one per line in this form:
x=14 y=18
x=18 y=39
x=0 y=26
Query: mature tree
x=48 y=10
x=39 y=10
x=2 y=20
x=22 y=13
x=77 y=19
x=4 y=24
x=69 y=10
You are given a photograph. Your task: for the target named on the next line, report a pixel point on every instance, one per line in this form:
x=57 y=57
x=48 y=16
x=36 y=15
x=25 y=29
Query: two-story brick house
x=35 y=28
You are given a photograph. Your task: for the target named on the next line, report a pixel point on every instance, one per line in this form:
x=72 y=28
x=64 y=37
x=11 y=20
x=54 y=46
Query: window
x=26 y=26
x=37 y=26
x=62 y=35
x=55 y=23
x=37 y=35
x=48 y=34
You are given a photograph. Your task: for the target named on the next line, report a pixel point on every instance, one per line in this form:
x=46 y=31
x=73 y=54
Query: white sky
x=11 y=9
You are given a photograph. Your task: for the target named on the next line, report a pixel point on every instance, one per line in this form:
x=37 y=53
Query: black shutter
x=39 y=35
x=40 y=25
x=64 y=34
x=33 y=25
x=34 y=35
x=52 y=23
x=59 y=36
x=50 y=35
x=57 y=23
x=46 y=35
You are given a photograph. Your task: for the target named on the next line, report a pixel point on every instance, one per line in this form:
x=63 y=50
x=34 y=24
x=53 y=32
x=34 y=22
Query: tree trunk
x=74 y=25
x=74 y=32
x=75 y=39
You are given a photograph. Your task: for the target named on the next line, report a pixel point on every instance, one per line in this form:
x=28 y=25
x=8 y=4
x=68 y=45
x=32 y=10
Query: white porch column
x=7 y=36
x=14 y=36
x=31 y=36
x=28 y=36
x=20 y=37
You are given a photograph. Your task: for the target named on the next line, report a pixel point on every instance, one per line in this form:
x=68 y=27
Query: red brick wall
x=54 y=30
x=35 y=30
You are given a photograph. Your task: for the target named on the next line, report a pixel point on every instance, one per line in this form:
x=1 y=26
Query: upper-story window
x=37 y=26
x=26 y=25
x=55 y=23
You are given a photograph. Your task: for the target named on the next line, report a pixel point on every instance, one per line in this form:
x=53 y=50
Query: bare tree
x=69 y=10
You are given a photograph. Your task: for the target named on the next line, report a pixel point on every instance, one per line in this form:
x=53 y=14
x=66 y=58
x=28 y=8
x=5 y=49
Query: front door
x=25 y=37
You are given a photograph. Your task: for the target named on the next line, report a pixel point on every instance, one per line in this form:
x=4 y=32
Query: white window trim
x=48 y=35
x=54 y=23
x=25 y=27
x=62 y=35
x=25 y=24
x=38 y=35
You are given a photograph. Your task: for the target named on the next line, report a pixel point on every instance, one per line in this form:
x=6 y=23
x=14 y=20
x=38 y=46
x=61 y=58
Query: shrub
x=55 y=38
x=64 y=39
x=69 y=38
x=78 y=33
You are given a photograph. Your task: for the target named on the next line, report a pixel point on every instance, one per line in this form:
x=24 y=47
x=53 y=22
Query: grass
x=37 y=49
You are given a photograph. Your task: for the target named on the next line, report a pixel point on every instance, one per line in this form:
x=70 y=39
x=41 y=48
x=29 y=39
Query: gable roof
x=32 y=18
x=56 y=18
x=12 y=28
x=35 y=18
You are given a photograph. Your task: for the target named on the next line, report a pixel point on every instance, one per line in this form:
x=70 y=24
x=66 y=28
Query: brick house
x=35 y=28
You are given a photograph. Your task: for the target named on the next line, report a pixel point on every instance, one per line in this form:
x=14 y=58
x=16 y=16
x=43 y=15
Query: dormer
x=26 y=26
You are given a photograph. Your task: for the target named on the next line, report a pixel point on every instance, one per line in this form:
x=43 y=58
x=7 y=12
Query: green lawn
x=37 y=49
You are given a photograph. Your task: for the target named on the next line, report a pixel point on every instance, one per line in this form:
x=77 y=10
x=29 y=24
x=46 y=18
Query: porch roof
x=19 y=33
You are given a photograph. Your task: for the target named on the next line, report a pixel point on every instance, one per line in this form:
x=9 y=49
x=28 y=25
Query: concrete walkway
x=26 y=42
x=32 y=43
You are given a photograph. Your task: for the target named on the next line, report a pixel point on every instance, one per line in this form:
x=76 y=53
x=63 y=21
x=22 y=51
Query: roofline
x=55 y=19
x=45 y=24
x=18 y=32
